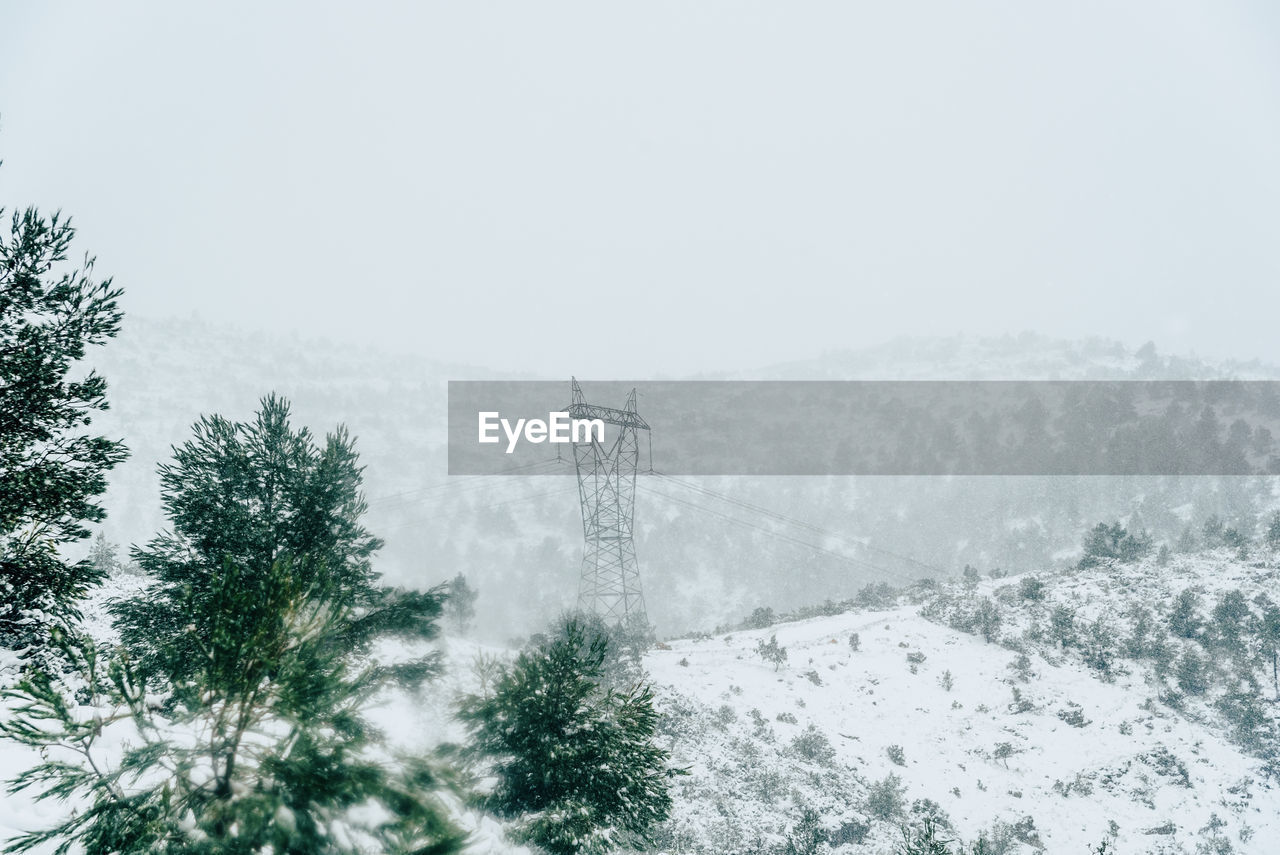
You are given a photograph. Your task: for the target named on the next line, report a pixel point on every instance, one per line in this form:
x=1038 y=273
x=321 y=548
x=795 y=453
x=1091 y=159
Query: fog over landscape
x=258 y=597
x=511 y=536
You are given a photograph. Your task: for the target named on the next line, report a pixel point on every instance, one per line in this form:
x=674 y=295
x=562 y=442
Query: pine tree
x=1113 y=542
x=807 y=836
x=460 y=605
x=987 y=619
x=1212 y=530
x=1273 y=532
x=1231 y=618
x=1184 y=617
x=281 y=758
x=762 y=617
x=252 y=640
x=1267 y=628
x=102 y=555
x=1098 y=647
x=772 y=652
x=1031 y=589
x=1137 y=644
x=51 y=468
x=250 y=495
x=573 y=760
x=928 y=839
x=625 y=645
x=1062 y=626
x=1193 y=673
x=1251 y=725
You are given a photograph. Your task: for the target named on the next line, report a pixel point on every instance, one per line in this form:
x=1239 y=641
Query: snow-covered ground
x=1143 y=768
x=965 y=731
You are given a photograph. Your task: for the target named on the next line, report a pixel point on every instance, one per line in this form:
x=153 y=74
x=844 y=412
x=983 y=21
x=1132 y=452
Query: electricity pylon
x=610 y=585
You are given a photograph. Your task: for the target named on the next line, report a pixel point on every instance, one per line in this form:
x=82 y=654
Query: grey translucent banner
x=1218 y=427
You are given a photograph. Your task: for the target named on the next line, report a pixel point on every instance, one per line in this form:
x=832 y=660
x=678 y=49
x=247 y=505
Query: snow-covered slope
x=1144 y=768
x=1043 y=753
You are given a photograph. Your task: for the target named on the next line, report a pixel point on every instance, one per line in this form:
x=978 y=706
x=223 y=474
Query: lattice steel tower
x=610 y=585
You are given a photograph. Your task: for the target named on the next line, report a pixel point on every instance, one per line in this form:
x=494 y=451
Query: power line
x=857 y=562
x=780 y=517
x=460 y=485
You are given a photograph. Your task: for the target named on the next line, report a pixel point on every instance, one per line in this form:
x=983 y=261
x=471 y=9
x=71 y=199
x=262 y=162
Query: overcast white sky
x=664 y=187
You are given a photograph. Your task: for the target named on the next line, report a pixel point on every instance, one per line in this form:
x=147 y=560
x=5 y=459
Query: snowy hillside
x=926 y=720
